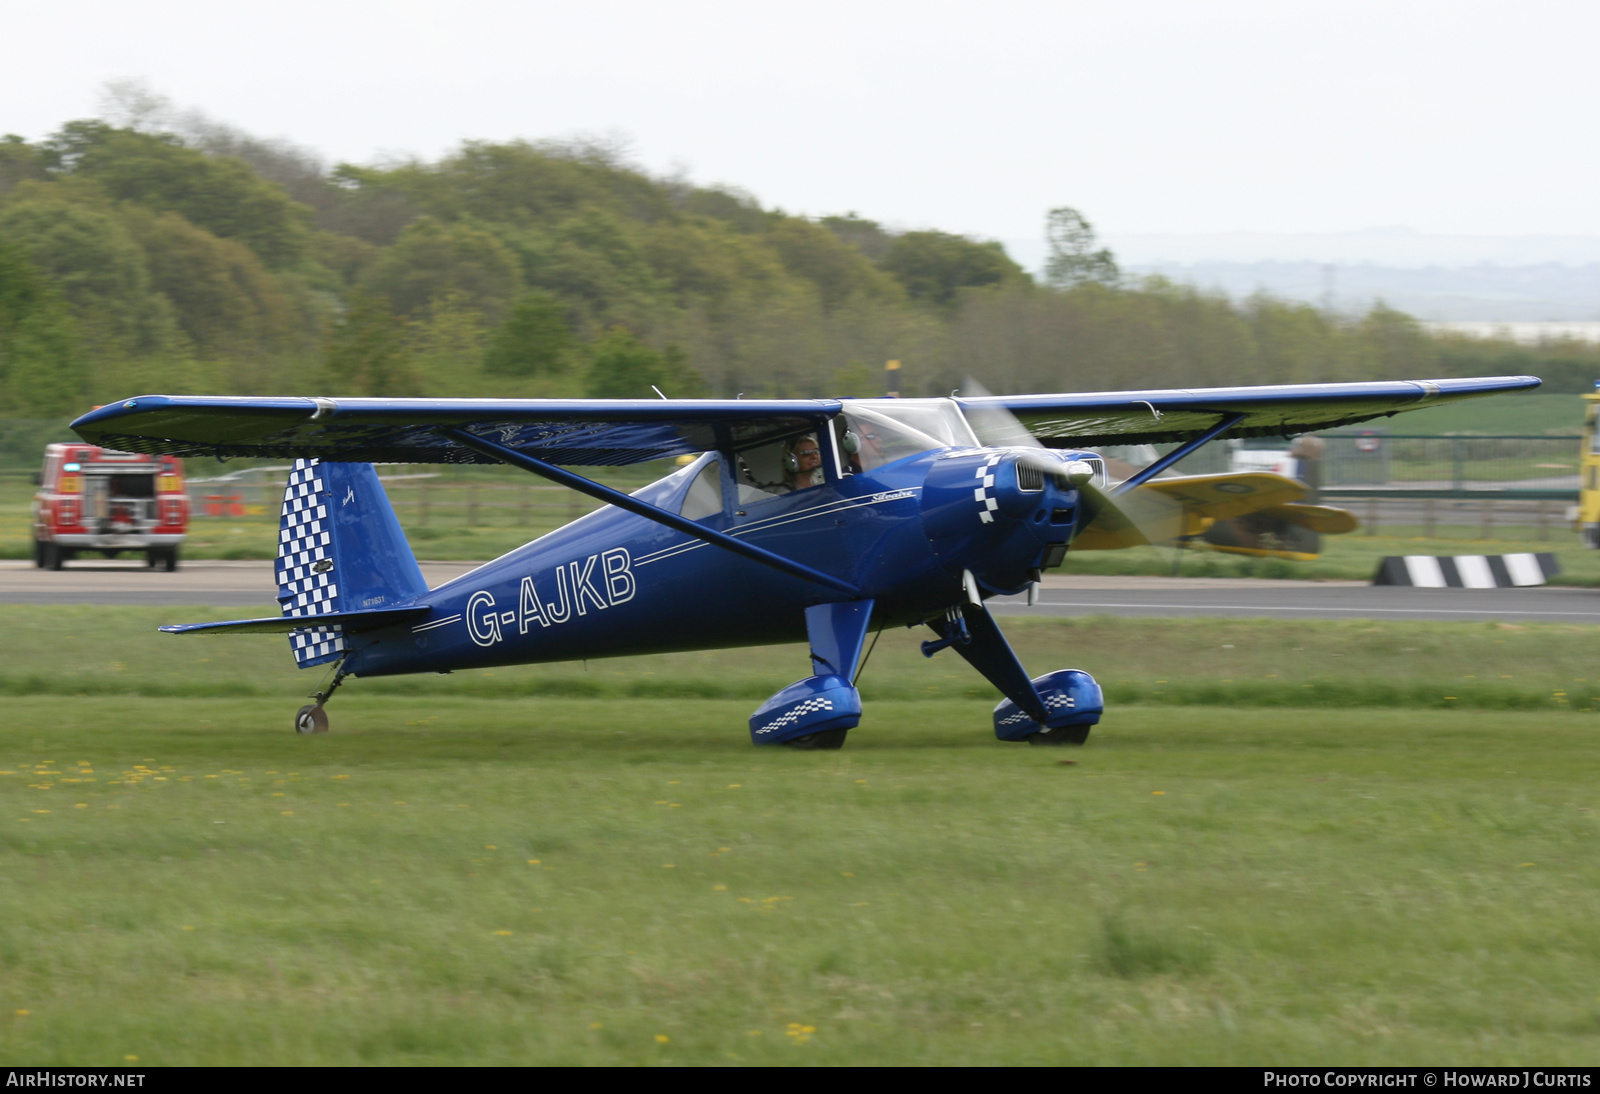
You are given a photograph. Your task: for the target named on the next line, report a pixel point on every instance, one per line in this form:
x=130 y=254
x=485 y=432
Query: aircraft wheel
x=1070 y=735
x=171 y=560
x=38 y=554
x=51 y=556
x=817 y=742
x=311 y=719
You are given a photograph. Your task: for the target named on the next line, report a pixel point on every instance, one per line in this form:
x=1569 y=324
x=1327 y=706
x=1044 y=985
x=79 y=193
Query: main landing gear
x=1058 y=708
x=817 y=713
x=312 y=718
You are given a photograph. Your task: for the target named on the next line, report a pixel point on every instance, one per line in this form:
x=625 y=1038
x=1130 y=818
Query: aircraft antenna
x=656 y=390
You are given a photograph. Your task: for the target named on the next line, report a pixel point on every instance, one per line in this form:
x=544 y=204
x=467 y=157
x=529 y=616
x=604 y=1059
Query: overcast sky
x=1268 y=116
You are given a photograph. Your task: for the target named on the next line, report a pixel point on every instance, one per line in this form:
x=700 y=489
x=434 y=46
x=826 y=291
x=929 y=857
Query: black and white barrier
x=1467 y=571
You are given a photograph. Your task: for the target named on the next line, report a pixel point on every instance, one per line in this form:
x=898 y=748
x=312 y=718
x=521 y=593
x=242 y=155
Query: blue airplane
x=795 y=519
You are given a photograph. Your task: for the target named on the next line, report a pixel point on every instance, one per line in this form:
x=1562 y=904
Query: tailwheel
x=312 y=718
x=1067 y=735
x=816 y=742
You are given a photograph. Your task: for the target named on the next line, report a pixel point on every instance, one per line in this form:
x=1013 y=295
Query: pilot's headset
x=850 y=443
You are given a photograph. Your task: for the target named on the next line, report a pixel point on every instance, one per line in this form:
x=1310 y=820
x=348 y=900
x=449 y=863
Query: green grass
x=567 y=881
x=1520 y=414
x=75 y=651
x=1510 y=469
x=486 y=869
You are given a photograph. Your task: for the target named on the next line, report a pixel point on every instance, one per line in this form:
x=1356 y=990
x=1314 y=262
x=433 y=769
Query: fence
x=1512 y=466
x=1494 y=487
x=1484 y=515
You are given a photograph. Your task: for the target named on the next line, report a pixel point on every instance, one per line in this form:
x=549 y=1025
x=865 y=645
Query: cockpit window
x=704 y=497
x=782 y=467
x=889 y=430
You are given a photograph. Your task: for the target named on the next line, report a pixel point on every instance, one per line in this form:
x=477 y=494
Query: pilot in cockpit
x=863 y=450
x=802 y=464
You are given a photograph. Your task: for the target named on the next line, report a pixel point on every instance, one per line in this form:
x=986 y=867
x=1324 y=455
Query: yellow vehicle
x=1262 y=513
x=1586 y=516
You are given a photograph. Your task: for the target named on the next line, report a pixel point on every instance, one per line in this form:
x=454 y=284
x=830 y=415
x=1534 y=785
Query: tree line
x=156 y=252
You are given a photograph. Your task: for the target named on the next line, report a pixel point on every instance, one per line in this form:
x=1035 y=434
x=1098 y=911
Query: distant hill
x=1549 y=291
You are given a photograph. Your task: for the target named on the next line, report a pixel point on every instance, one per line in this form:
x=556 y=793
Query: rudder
x=340 y=548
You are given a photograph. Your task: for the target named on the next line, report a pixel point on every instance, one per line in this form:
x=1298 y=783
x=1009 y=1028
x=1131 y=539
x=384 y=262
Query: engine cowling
x=1003 y=514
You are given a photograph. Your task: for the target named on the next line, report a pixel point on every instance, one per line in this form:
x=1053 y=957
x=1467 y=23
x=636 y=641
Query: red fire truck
x=99 y=500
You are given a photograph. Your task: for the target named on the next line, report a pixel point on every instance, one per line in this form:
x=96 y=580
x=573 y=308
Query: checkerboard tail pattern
x=308 y=581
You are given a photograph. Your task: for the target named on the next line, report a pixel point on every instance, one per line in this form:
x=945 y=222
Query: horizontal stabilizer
x=351 y=622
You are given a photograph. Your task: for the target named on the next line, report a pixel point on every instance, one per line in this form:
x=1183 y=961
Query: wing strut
x=1148 y=473
x=644 y=509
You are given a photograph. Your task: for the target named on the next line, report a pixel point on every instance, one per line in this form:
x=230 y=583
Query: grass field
x=82 y=651
x=1521 y=413
x=491 y=868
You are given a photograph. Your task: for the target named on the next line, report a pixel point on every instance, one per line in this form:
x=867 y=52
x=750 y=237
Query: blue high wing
x=1150 y=417
x=583 y=432
x=596 y=432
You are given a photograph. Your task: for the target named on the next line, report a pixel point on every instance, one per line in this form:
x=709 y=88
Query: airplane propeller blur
x=1171 y=510
x=816 y=519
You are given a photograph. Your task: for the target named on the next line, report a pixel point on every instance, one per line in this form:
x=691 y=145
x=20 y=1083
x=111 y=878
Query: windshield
x=893 y=429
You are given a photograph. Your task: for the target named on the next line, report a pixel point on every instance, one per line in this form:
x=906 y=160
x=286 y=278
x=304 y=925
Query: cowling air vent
x=322 y=566
x=1030 y=476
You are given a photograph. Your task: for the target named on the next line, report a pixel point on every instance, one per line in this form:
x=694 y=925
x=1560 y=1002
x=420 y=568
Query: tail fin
x=340 y=549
